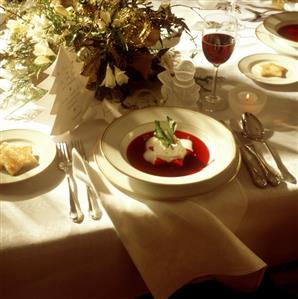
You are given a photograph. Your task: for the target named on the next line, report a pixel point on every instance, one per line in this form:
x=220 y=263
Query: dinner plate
x=43 y=147
x=274 y=42
x=111 y=158
x=275 y=22
x=249 y=66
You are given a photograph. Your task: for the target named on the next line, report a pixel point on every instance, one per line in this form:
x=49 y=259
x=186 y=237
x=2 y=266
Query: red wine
x=218 y=47
x=289 y=32
x=192 y=163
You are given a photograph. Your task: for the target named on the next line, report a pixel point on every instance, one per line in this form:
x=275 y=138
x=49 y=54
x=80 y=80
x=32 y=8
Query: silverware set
x=255 y=130
x=93 y=207
x=64 y=163
x=249 y=131
x=259 y=13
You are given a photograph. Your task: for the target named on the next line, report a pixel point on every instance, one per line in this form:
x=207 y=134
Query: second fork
x=64 y=163
x=93 y=207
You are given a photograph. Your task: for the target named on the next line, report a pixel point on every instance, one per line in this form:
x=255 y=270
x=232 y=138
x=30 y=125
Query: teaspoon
x=254 y=129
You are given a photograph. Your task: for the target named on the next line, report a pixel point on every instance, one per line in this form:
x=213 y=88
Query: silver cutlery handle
x=94 y=210
x=285 y=172
x=272 y=177
x=254 y=169
x=75 y=212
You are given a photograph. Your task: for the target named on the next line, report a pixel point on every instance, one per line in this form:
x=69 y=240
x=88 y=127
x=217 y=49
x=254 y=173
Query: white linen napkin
x=173 y=243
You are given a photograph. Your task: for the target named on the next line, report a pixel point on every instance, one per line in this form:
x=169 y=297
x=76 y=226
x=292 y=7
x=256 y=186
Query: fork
x=93 y=208
x=64 y=164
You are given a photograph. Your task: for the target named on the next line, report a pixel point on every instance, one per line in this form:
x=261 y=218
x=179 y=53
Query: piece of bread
x=14 y=158
x=272 y=70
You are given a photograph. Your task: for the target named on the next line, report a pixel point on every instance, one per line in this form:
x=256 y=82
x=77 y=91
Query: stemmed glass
x=218 y=42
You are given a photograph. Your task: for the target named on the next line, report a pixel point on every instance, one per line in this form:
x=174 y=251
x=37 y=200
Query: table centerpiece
x=119 y=42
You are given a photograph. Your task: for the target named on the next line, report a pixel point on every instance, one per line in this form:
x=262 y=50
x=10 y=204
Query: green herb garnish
x=166 y=135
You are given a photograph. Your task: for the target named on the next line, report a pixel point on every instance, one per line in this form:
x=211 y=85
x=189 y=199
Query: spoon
x=254 y=129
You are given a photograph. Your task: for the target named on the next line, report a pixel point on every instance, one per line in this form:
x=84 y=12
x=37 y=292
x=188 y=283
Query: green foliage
x=101 y=32
x=166 y=134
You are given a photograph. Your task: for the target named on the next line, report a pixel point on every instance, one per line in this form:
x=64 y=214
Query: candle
x=247 y=98
x=243 y=98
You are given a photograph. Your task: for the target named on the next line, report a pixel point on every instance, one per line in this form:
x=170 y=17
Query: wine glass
x=218 y=42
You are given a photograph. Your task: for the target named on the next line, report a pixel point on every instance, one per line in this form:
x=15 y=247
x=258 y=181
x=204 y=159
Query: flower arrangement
x=118 y=41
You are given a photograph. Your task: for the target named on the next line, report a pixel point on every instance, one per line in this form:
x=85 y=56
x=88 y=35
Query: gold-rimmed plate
x=274 y=42
x=284 y=27
x=110 y=154
x=43 y=147
x=250 y=67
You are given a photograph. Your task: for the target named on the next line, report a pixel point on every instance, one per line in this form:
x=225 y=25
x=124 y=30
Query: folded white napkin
x=173 y=243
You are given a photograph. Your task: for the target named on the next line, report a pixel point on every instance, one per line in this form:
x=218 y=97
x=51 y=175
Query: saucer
x=248 y=66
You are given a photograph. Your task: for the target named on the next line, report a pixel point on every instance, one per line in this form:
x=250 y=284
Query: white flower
x=37 y=30
x=16 y=28
x=42 y=49
x=168 y=60
x=40 y=60
x=109 y=80
x=120 y=76
x=20 y=68
x=105 y=16
x=101 y=25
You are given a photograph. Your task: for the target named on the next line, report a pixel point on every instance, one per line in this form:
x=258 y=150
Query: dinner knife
x=254 y=169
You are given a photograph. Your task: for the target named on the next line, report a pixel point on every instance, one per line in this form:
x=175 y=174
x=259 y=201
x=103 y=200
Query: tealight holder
x=244 y=98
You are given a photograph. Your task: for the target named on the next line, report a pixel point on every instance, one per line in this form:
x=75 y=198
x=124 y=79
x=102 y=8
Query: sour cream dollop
x=155 y=150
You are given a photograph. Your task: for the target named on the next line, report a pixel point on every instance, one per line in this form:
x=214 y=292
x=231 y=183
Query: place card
x=67 y=89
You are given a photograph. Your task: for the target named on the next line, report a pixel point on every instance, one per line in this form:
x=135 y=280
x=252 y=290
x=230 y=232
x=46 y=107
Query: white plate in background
x=275 y=42
x=249 y=64
x=275 y=21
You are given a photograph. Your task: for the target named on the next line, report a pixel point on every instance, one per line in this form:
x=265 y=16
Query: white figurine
x=179 y=87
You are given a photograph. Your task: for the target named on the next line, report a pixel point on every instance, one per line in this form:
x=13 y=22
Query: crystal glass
x=218 y=42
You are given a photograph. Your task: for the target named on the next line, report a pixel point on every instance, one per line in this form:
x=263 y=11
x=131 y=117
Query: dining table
x=232 y=234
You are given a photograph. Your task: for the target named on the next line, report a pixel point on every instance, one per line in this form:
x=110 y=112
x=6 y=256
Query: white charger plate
x=275 y=21
x=42 y=146
x=274 y=42
x=248 y=66
x=110 y=154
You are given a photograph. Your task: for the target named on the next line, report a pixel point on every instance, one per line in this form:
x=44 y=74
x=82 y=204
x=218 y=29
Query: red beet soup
x=289 y=32
x=193 y=162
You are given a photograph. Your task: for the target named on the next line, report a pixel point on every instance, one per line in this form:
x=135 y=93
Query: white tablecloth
x=44 y=255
